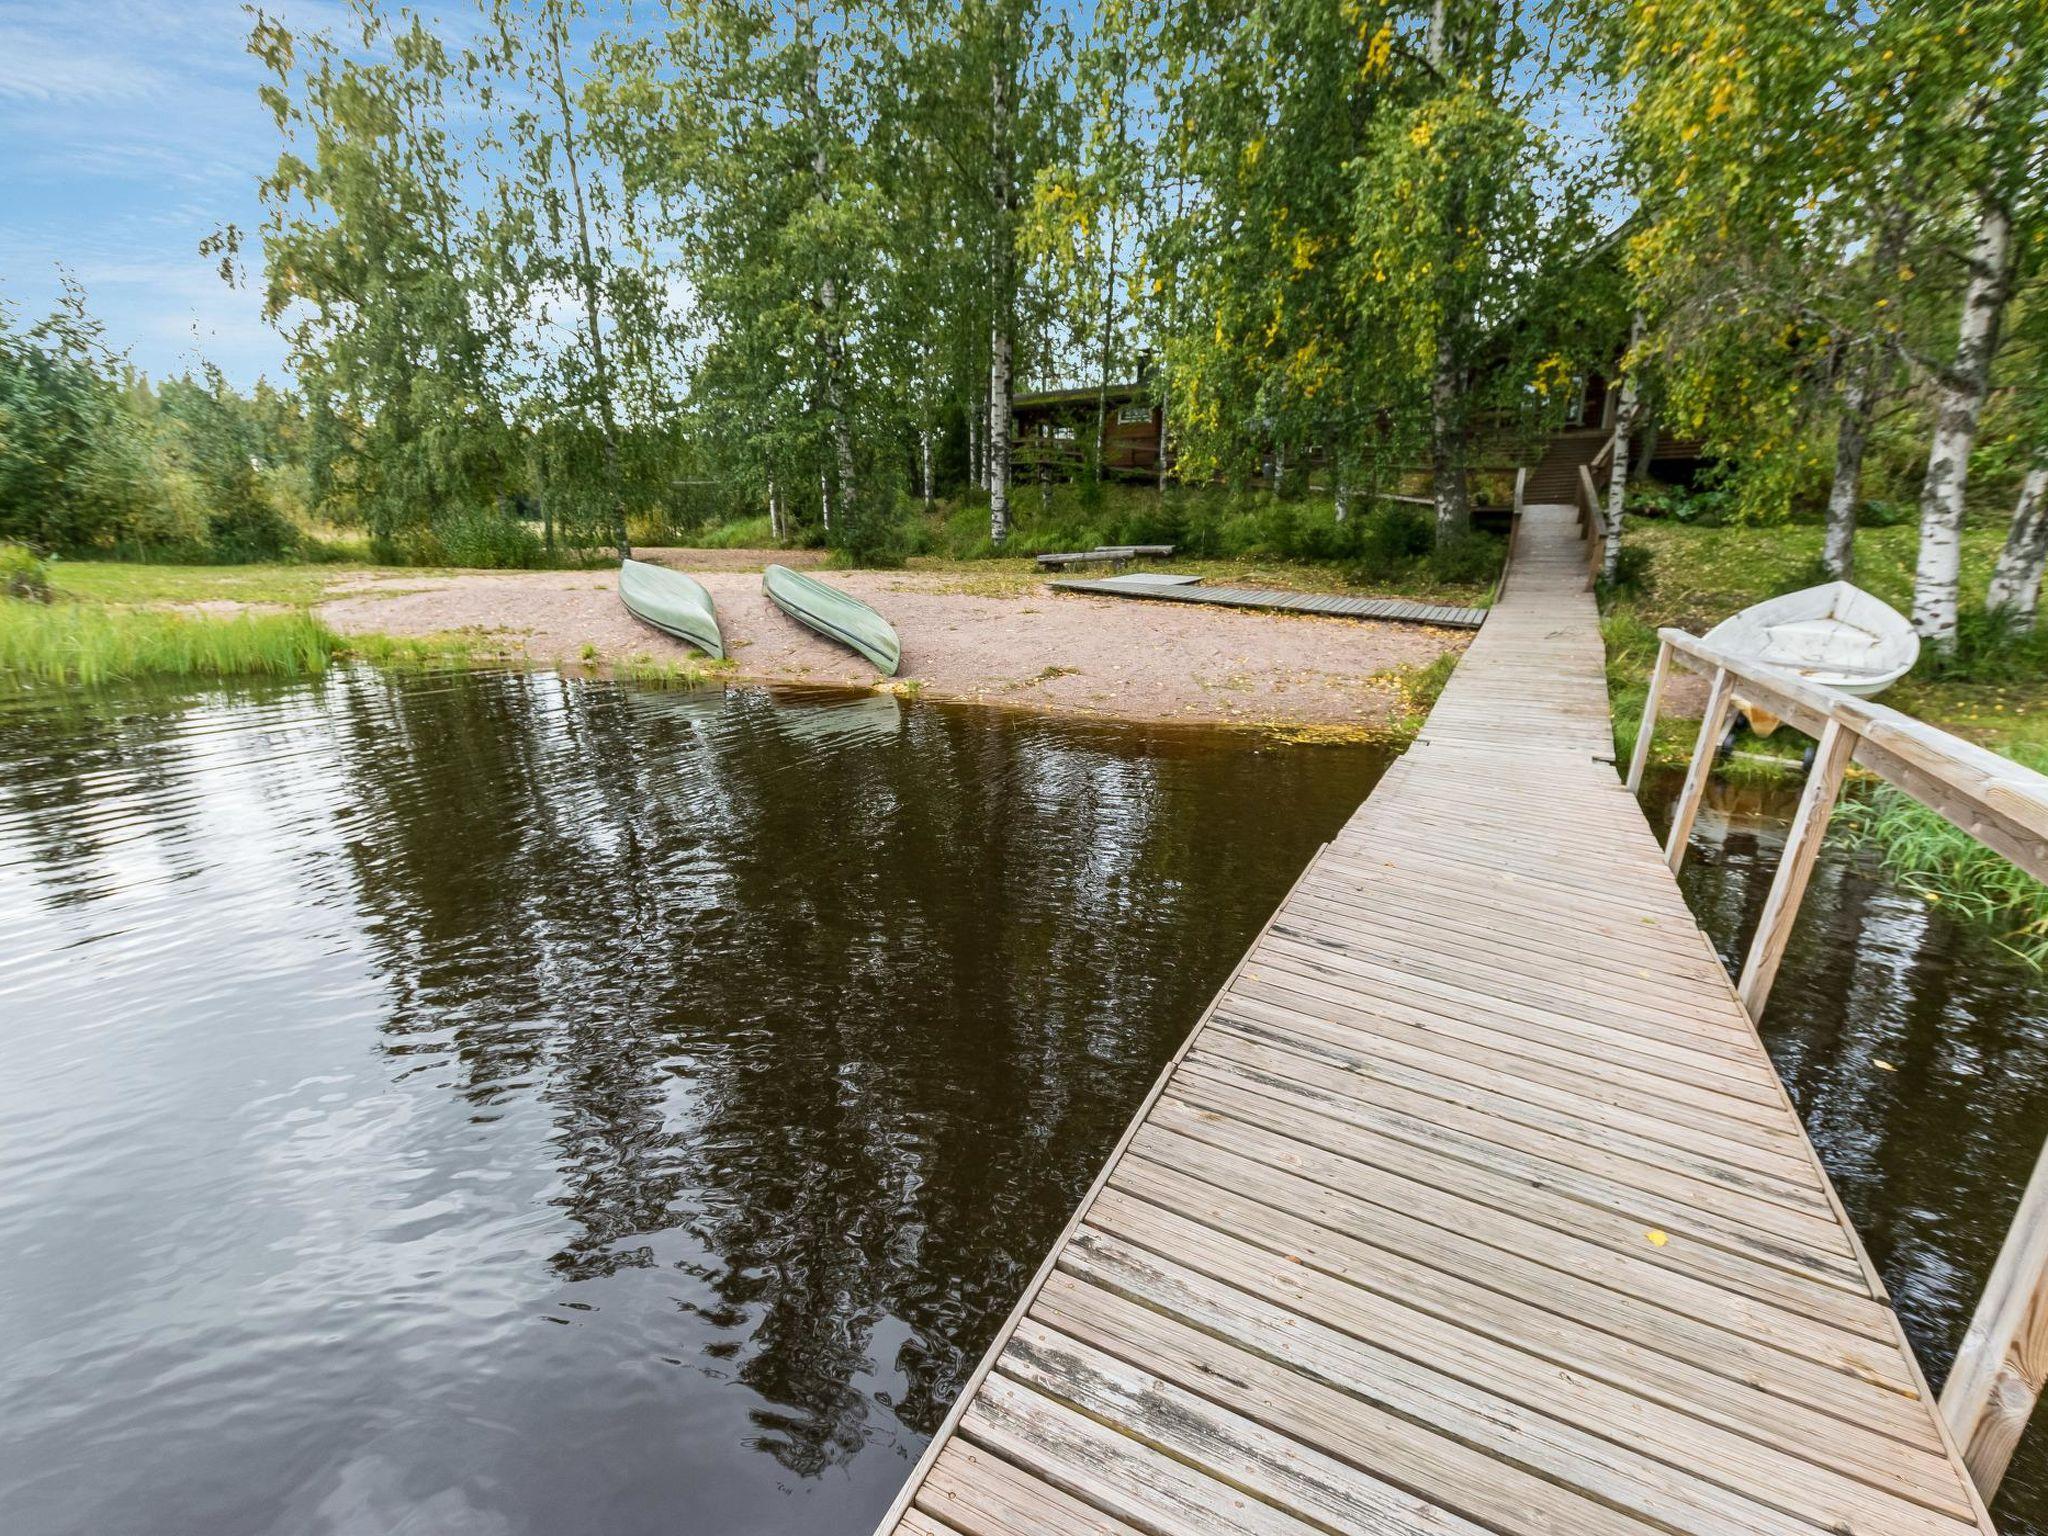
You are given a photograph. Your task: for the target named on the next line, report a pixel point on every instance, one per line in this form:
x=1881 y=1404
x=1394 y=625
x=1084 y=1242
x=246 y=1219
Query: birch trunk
x=1447 y=447
x=999 y=437
x=924 y=449
x=1342 y=496
x=2016 y=582
x=587 y=283
x=832 y=345
x=975 y=472
x=1963 y=388
x=1003 y=266
x=1162 y=442
x=1845 y=495
x=775 y=527
x=1617 y=472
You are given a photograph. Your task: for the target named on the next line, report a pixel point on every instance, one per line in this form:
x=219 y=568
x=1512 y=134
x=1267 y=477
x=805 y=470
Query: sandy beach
x=1000 y=641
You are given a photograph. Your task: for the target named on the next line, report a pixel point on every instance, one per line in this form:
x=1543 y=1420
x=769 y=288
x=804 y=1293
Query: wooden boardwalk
x=1473 y=1204
x=1274 y=600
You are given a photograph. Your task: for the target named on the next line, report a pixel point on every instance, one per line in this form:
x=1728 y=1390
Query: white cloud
x=38 y=67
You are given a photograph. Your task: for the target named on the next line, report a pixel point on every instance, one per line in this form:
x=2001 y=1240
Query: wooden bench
x=1116 y=555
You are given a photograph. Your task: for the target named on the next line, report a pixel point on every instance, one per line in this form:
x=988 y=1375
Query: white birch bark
x=1963 y=388
x=1002 y=304
x=924 y=449
x=2016 y=581
x=1447 y=447
x=1617 y=472
x=1845 y=494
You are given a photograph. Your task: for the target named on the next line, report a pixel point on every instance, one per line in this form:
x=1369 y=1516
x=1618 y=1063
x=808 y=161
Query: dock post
x=1795 y=866
x=1696 y=776
x=1998 y=1372
x=1640 y=757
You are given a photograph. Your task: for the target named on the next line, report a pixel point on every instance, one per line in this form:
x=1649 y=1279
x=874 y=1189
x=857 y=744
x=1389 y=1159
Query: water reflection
x=505 y=1103
x=1916 y=1049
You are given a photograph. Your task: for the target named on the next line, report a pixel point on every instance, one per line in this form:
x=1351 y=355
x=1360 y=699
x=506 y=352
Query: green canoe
x=673 y=603
x=835 y=615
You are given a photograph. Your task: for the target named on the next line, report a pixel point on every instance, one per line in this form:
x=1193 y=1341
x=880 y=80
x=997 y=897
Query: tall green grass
x=86 y=644
x=1941 y=863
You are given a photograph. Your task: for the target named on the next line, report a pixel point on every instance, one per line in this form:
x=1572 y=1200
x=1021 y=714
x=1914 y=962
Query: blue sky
x=130 y=130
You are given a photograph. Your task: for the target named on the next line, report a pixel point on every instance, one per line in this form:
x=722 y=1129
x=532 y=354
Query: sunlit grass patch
x=89 y=644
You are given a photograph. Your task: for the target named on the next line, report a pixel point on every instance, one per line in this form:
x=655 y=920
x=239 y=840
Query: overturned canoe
x=673 y=603
x=834 y=614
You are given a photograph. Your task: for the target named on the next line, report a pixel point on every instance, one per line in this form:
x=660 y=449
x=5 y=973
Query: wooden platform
x=1274 y=600
x=1473 y=1204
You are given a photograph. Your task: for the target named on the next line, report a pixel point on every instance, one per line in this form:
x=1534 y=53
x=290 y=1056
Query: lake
x=503 y=1103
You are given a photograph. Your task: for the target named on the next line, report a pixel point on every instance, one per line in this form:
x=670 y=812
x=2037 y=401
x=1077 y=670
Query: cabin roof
x=1082 y=396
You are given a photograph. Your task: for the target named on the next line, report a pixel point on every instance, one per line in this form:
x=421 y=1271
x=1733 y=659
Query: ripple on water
x=506 y=1103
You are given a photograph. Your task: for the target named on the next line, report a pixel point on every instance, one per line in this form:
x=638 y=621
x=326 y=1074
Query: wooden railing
x=1999 y=1370
x=1590 y=525
x=1500 y=584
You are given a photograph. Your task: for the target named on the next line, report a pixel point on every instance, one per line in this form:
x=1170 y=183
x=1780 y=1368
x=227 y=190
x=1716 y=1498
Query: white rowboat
x=1835 y=634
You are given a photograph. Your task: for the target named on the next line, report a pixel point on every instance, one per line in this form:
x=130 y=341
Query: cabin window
x=1133 y=415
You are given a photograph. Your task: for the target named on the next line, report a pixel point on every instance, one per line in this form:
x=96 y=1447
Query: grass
x=1946 y=866
x=75 y=643
x=113 y=581
x=90 y=644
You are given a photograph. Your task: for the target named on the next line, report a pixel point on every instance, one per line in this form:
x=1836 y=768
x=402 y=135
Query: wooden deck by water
x=1274 y=600
x=1472 y=1205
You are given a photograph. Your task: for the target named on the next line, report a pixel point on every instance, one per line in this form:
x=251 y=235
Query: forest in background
x=552 y=275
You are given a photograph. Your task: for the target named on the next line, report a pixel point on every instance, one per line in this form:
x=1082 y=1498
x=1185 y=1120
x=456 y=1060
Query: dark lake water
x=507 y=1104
x=1916 y=1048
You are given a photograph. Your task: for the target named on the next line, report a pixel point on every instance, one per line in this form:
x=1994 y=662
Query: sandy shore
x=1005 y=641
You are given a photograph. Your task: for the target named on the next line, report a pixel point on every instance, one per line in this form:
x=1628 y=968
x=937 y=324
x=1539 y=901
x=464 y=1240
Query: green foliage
x=1943 y=864
x=1632 y=573
x=86 y=644
x=1467 y=558
x=1990 y=647
x=873 y=532
x=24 y=574
x=1392 y=537
x=487 y=539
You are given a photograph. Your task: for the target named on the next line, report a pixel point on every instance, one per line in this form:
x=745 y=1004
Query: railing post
x=1795 y=867
x=1641 y=755
x=1998 y=1372
x=1700 y=771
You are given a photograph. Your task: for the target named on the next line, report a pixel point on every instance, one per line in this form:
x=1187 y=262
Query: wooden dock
x=1473 y=1204
x=1274 y=600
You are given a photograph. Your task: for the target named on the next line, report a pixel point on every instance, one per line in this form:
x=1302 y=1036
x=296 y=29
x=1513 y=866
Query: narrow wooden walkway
x=1273 y=600
x=1472 y=1205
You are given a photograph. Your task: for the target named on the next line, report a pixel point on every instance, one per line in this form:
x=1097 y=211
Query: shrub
x=1990 y=648
x=250 y=529
x=1632 y=573
x=1466 y=559
x=488 y=540
x=872 y=533
x=24 y=574
x=1391 y=538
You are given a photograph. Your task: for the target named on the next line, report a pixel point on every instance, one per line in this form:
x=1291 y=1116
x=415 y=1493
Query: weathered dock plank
x=1472 y=1204
x=1275 y=600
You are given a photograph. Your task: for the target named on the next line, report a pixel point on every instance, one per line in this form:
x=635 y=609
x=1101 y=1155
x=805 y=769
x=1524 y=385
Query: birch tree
x=2001 y=149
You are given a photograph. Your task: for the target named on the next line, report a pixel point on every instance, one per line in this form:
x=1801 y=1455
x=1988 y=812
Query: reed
x=1925 y=854
x=88 y=644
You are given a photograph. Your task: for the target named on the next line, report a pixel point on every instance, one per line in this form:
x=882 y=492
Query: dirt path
x=1018 y=643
